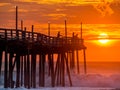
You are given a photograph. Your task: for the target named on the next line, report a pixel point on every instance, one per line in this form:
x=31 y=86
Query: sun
x=103 y=38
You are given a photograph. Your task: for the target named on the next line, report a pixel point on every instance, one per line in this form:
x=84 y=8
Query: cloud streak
x=4 y=4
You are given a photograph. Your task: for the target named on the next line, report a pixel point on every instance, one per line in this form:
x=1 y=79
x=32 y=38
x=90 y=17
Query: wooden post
x=73 y=59
x=57 y=69
x=34 y=70
x=6 y=63
x=16 y=17
x=49 y=32
x=81 y=31
x=28 y=71
x=49 y=63
x=60 y=69
x=65 y=29
x=17 y=33
x=43 y=70
x=21 y=24
x=21 y=70
x=48 y=28
x=6 y=70
x=34 y=76
x=11 y=82
x=23 y=37
x=31 y=73
x=32 y=58
x=25 y=65
x=24 y=34
x=11 y=34
x=28 y=36
x=70 y=56
x=77 y=61
x=40 y=70
x=63 y=69
x=32 y=32
x=70 y=59
x=52 y=71
x=0 y=61
x=18 y=70
x=85 y=67
x=65 y=32
x=67 y=56
x=68 y=71
x=25 y=29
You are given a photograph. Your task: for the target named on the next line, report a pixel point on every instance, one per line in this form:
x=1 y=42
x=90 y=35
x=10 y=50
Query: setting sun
x=103 y=38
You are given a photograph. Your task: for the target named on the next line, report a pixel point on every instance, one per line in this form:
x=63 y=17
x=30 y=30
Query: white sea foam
x=61 y=88
x=81 y=82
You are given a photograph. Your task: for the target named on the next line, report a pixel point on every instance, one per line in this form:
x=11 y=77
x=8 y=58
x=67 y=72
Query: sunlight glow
x=103 y=38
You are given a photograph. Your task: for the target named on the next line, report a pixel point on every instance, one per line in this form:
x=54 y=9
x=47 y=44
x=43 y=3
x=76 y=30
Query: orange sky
x=98 y=16
x=42 y=11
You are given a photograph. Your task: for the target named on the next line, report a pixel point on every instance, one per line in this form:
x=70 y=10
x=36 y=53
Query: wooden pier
x=20 y=49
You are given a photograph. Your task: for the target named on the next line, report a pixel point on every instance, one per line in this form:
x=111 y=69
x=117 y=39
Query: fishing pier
x=22 y=50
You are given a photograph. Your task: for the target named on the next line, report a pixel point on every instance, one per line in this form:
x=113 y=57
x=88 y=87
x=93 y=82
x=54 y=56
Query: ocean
x=104 y=68
x=99 y=74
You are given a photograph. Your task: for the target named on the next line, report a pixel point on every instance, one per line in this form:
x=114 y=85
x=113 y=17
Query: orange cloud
x=56 y=16
x=104 y=8
x=3 y=4
x=20 y=10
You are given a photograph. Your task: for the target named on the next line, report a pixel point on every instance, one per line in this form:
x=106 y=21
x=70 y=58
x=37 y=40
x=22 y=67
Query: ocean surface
x=99 y=74
x=103 y=68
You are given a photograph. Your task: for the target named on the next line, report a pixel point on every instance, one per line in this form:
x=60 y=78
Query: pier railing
x=12 y=34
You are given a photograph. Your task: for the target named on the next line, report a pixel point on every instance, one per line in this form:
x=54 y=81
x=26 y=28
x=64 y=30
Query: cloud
x=104 y=8
x=68 y=2
x=56 y=11
x=56 y=16
x=4 y=4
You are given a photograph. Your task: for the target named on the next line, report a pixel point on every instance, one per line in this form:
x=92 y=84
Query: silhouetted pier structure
x=21 y=48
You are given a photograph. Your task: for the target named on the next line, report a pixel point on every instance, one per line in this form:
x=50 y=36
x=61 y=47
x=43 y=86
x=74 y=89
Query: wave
x=96 y=80
x=89 y=80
